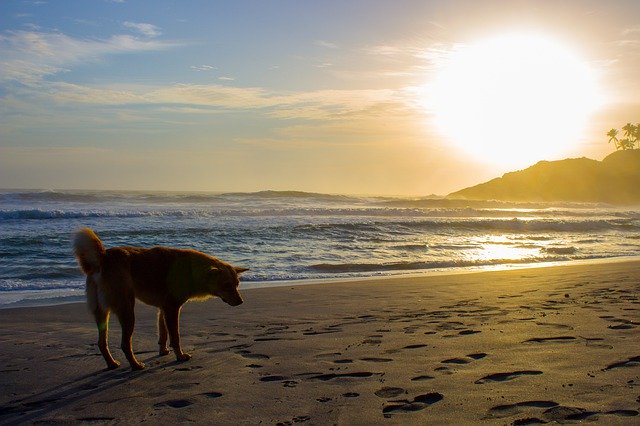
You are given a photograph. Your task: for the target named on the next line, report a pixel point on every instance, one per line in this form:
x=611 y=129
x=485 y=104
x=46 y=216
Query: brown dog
x=159 y=276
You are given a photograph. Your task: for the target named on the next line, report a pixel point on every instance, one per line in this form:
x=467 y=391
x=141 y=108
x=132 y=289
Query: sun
x=513 y=99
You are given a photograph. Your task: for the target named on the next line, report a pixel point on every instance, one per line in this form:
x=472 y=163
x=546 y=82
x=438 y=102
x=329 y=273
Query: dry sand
x=557 y=344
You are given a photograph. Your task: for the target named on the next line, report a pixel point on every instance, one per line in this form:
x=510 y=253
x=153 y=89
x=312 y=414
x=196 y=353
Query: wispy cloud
x=147 y=30
x=631 y=30
x=202 y=68
x=388 y=50
x=28 y=56
x=320 y=105
x=326 y=44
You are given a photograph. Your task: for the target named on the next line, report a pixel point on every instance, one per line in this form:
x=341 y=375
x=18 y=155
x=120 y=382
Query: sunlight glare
x=513 y=99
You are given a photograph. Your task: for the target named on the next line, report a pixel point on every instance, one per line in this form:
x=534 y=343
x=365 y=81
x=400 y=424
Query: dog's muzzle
x=234 y=301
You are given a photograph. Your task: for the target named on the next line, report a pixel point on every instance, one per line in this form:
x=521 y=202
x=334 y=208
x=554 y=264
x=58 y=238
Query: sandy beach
x=526 y=346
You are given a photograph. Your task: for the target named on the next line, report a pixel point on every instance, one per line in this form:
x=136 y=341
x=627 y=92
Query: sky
x=330 y=96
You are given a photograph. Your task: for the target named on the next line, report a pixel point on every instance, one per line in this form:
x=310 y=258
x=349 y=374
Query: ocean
x=285 y=236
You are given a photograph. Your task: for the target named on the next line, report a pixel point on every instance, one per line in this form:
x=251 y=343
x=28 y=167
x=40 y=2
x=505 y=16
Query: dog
x=159 y=276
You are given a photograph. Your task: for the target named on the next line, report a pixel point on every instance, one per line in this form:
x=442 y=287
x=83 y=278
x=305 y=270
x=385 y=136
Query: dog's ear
x=240 y=270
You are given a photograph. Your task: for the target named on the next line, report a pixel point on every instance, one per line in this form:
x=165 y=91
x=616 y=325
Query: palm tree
x=629 y=129
x=626 y=143
x=613 y=136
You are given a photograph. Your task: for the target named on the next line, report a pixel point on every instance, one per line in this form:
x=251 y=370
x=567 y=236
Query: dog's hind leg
x=102 y=321
x=127 y=318
x=162 y=334
x=172 y=318
x=97 y=306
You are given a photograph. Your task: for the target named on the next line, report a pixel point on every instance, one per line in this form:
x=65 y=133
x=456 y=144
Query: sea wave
x=40 y=214
x=18 y=284
x=161 y=196
x=560 y=250
x=437 y=204
x=475 y=224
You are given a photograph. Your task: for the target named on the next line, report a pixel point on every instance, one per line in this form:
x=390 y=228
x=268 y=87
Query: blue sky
x=251 y=95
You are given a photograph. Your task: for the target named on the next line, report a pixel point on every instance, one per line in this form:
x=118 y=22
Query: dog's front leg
x=162 y=334
x=172 y=319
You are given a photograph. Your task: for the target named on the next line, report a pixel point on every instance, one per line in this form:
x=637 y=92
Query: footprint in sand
x=328 y=355
x=190 y=368
x=324 y=330
x=250 y=355
x=553 y=412
x=561 y=413
x=631 y=362
x=519 y=407
x=273 y=378
x=456 y=361
x=297 y=419
x=468 y=358
x=182 y=386
x=623 y=324
x=286 y=381
x=477 y=356
x=332 y=376
x=420 y=402
x=503 y=377
x=422 y=378
x=408 y=347
x=212 y=395
x=253 y=366
x=389 y=392
x=174 y=403
x=558 y=339
x=373 y=359
x=96 y=419
x=417 y=346
x=554 y=325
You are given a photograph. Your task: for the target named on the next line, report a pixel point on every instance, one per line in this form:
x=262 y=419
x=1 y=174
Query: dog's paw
x=183 y=357
x=138 y=366
x=164 y=351
x=113 y=365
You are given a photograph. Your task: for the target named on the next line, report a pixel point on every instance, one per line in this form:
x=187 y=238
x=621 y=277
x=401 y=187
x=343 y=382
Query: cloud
x=28 y=56
x=631 y=30
x=326 y=44
x=318 y=105
x=202 y=68
x=147 y=30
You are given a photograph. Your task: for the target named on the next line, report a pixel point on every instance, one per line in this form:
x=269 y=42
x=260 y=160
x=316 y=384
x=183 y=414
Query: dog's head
x=224 y=280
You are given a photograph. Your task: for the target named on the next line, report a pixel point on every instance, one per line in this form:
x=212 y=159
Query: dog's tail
x=88 y=250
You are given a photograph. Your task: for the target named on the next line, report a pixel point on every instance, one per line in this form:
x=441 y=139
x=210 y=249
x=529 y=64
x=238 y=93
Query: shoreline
x=79 y=297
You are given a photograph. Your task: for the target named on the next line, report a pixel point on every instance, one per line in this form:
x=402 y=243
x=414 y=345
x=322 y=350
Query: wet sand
x=525 y=346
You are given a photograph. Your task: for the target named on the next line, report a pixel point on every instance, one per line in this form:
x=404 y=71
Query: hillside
x=614 y=180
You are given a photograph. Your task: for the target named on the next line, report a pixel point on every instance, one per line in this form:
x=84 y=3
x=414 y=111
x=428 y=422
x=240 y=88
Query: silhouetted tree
x=613 y=137
x=631 y=137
